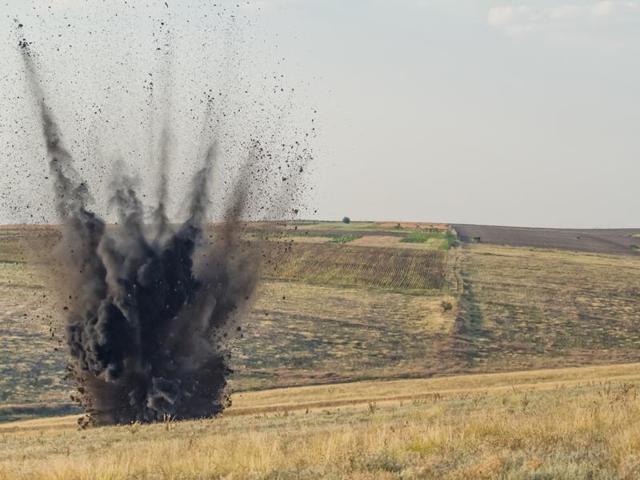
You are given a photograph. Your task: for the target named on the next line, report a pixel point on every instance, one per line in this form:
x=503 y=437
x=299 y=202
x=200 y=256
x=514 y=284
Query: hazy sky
x=495 y=112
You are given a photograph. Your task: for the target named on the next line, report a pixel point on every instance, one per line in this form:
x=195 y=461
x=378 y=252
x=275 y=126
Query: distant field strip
x=608 y=241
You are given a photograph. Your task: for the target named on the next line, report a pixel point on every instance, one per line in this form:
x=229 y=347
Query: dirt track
x=613 y=241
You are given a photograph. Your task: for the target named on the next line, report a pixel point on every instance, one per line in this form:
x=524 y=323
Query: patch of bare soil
x=610 y=241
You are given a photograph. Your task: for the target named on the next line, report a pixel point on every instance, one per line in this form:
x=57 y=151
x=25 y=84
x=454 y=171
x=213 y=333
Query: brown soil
x=611 y=241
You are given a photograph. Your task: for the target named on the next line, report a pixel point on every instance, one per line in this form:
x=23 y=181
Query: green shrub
x=447 y=238
x=344 y=238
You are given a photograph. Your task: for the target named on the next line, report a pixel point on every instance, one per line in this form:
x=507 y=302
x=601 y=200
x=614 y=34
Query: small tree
x=346 y=220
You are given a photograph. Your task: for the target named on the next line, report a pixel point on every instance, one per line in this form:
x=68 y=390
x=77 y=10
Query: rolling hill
x=362 y=301
x=372 y=351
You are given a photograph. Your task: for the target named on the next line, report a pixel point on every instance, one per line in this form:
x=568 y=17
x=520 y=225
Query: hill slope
x=381 y=301
x=532 y=308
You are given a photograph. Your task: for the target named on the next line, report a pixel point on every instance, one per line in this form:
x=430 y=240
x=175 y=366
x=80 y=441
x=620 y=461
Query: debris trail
x=149 y=304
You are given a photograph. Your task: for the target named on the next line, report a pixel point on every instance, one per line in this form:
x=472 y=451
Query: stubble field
x=568 y=423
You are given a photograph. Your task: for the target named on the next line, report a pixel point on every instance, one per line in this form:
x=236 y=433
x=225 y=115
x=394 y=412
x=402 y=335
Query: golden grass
x=570 y=423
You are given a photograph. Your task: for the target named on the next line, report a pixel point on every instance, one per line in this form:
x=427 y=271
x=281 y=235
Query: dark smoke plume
x=149 y=304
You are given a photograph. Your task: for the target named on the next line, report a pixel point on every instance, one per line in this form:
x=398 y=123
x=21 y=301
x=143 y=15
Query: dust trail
x=149 y=305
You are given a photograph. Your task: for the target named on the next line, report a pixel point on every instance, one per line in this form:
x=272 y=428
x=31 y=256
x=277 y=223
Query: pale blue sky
x=513 y=113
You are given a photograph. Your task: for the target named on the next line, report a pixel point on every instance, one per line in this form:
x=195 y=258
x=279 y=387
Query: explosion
x=149 y=304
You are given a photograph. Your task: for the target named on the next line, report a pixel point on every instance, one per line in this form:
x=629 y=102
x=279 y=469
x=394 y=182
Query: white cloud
x=603 y=8
x=563 y=18
x=501 y=16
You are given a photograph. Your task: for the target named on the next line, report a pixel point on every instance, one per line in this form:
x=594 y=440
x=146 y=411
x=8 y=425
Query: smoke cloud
x=149 y=304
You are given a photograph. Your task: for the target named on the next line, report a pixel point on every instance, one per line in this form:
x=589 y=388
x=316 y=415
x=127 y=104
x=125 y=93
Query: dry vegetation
x=572 y=423
x=346 y=266
x=371 y=308
x=530 y=308
x=341 y=312
x=291 y=339
x=30 y=367
x=325 y=312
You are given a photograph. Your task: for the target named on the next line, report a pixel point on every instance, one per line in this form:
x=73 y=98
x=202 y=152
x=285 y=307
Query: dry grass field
x=566 y=423
x=31 y=365
x=344 y=265
x=323 y=313
x=534 y=308
x=373 y=328
x=354 y=334
x=334 y=312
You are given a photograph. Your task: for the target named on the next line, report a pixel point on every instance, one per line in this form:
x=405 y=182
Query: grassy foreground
x=568 y=423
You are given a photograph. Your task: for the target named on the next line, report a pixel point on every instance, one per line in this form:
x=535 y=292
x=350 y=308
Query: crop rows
x=352 y=266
